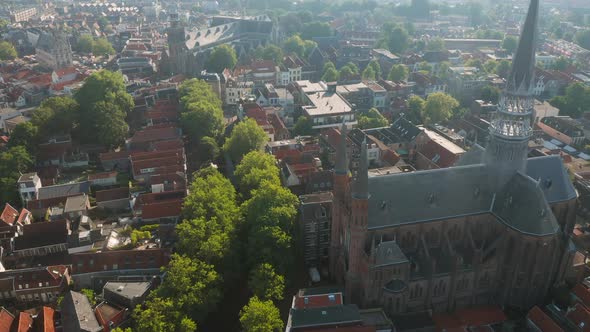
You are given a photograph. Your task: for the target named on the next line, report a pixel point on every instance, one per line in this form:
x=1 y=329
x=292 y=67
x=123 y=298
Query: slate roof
x=42 y=234
x=406 y=198
x=64 y=190
x=77 y=314
x=388 y=253
x=325 y=316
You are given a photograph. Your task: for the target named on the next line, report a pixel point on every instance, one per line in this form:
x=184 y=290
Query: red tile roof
x=66 y=71
x=48 y=315
x=25 y=322
x=9 y=214
x=170 y=209
x=470 y=317
x=154 y=134
x=6 y=319
x=168 y=145
x=112 y=194
x=104 y=175
x=23 y=215
x=114 y=155
x=583 y=294
x=542 y=321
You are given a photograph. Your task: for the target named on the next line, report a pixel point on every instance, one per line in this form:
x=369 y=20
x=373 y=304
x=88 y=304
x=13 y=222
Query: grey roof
x=325 y=316
x=554 y=179
x=77 y=314
x=128 y=290
x=406 y=198
x=523 y=64
x=522 y=206
x=64 y=190
x=76 y=203
x=388 y=253
x=473 y=156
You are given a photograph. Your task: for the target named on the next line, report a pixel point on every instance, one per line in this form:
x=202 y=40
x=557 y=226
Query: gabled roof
x=543 y=322
x=64 y=190
x=42 y=234
x=6 y=319
x=25 y=322
x=9 y=214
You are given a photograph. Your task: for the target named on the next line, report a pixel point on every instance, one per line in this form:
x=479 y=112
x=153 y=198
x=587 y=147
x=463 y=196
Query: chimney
x=332 y=87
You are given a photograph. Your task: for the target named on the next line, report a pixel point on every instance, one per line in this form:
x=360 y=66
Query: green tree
x=246 y=136
x=255 y=168
x=211 y=196
x=7 y=51
x=561 y=63
x=582 y=38
x=89 y=293
x=270 y=52
x=398 y=73
x=266 y=284
x=102 y=46
x=3 y=24
x=503 y=68
x=260 y=316
x=13 y=162
x=208 y=150
x=435 y=44
x=395 y=38
x=490 y=94
x=25 y=134
x=415 y=110
x=201 y=110
x=56 y=115
x=316 y=29
x=510 y=43
x=294 y=45
x=373 y=119
x=477 y=63
x=120 y=329
x=269 y=215
x=331 y=75
x=425 y=67
x=194 y=286
x=223 y=56
x=376 y=68
x=303 y=127
x=575 y=102
x=162 y=314
x=439 y=107
x=349 y=71
x=490 y=66
x=369 y=74
x=109 y=123
x=85 y=44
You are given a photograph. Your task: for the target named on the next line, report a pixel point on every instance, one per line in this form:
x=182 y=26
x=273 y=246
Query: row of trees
x=97 y=46
x=227 y=235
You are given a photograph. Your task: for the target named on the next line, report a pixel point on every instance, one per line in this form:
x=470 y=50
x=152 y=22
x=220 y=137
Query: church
x=493 y=229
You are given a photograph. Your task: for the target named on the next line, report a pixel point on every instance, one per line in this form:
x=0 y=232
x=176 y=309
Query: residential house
x=28 y=187
x=77 y=313
x=315 y=216
x=110 y=315
x=103 y=179
x=324 y=106
x=236 y=90
x=52 y=196
x=115 y=160
x=142 y=139
x=290 y=70
x=563 y=129
x=95 y=269
x=435 y=151
x=42 y=238
x=126 y=294
x=426 y=85
x=385 y=58
x=144 y=165
x=168 y=182
x=271 y=96
x=34 y=285
x=76 y=207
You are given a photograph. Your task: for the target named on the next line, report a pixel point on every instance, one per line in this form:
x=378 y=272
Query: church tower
x=176 y=45
x=357 y=226
x=511 y=129
x=340 y=204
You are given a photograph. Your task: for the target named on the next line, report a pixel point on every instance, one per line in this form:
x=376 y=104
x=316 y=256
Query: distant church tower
x=511 y=130
x=176 y=46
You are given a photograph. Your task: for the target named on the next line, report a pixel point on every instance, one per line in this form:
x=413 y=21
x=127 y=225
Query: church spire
x=511 y=126
x=341 y=167
x=521 y=79
x=361 y=185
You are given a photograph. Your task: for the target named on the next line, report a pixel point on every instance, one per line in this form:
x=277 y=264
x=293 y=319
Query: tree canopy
x=349 y=71
x=256 y=167
x=510 y=43
x=265 y=283
x=104 y=104
x=269 y=52
x=329 y=73
x=102 y=46
x=24 y=134
x=398 y=73
x=260 y=316
x=162 y=314
x=415 y=109
x=395 y=38
x=246 y=136
x=373 y=119
x=202 y=115
x=297 y=45
x=223 y=56
x=575 y=102
x=316 y=29
x=439 y=107
x=7 y=51
x=13 y=162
